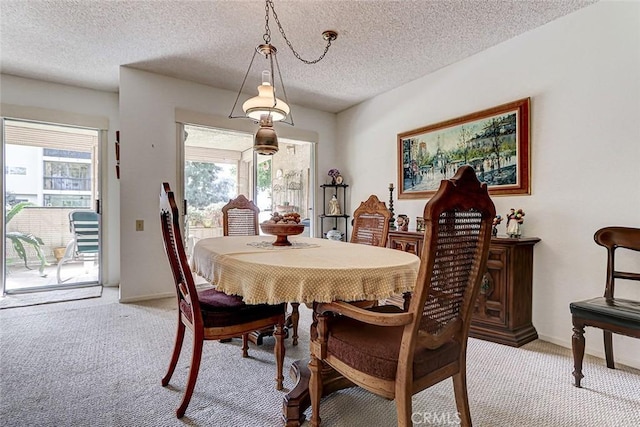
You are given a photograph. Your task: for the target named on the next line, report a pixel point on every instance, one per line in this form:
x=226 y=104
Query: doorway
x=50 y=200
x=220 y=164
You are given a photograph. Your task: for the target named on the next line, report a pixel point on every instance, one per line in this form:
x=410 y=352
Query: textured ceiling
x=381 y=44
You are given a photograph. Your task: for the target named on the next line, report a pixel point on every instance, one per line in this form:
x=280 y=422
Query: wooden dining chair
x=371 y=227
x=611 y=314
x=209 y=314
x=240 y=218
x=396 y=354
x=371 y=223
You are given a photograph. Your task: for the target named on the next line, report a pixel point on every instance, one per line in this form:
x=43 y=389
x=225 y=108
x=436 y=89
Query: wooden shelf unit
x=503 y=309
x=334 y=190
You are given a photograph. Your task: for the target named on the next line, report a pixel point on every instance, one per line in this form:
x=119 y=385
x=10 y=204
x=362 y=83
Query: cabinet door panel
x=490 y=306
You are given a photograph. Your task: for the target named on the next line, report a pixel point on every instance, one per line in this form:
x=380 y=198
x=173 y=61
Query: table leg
x=297 y=400
x=291 y=322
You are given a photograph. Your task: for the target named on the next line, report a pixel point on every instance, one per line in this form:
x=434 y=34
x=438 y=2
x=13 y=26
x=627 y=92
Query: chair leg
x=245 y=345
x=68 y=256
x=404 y=408
x=577 y=345
x=196 y=357
x=462 y=398
x=608 y=349
x=278 y=351
x=177 y=347
x=315 y=389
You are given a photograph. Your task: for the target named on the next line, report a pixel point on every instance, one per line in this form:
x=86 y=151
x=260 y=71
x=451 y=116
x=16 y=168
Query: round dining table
x=311 y=270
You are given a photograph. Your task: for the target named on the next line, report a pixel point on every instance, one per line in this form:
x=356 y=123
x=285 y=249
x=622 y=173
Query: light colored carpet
x=99 y=363
x=49 y=296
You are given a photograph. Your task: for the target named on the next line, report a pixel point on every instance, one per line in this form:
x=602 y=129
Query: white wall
x=43 y=99
x=148 y=104
x=582 y=73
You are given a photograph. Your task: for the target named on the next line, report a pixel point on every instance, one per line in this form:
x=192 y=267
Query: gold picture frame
x=495 y=142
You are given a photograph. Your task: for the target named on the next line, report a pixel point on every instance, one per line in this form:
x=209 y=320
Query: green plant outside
x=18 y=239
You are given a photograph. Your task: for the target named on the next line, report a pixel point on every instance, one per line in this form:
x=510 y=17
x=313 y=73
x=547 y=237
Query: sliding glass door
x=221 y=164
x=50 y=178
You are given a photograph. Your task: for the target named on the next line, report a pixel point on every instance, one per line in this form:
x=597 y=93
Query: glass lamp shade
x=263 y=104
x=266 y=140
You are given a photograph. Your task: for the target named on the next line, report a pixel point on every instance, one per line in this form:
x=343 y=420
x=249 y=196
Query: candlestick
x=392 y=221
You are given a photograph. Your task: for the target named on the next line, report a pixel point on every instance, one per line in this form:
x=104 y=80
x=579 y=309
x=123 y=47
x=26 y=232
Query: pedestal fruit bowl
x=282 y=226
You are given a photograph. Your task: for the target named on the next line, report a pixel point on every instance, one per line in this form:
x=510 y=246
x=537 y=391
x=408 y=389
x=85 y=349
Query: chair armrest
x=366 y=316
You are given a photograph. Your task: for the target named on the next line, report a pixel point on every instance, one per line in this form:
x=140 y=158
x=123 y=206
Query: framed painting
x=495 y=142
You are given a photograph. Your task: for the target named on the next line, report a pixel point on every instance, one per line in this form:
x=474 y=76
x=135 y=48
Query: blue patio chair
x=85 y=244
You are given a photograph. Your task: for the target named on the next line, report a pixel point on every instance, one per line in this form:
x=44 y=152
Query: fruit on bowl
x=282 y=226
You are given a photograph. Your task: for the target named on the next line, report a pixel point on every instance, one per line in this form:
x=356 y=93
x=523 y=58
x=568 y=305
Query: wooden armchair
x=209 y=314
x=240 y=218
x=396 y=354
x=371 y=223
x=612 y=315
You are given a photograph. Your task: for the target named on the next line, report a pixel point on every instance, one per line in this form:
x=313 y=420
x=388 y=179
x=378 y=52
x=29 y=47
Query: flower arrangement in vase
x=334 y=174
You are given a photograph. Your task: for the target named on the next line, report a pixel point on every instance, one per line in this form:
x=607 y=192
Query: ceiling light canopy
x=266 y=107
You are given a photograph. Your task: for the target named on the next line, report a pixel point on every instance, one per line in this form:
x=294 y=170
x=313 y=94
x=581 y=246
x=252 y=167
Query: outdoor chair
x=85 y=244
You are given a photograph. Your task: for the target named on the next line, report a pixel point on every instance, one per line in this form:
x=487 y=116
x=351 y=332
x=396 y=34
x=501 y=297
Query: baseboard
x=146 y=297
x=596 y=353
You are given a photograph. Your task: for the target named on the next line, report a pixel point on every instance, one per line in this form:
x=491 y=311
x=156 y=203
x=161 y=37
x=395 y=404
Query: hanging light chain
x=267 y=31
x=329 y=36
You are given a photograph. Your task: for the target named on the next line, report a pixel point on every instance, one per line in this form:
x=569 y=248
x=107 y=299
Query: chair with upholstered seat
x=396 y=354
x=371 y=223
x=371 y=227
x=612 y=315
x=240 y=218
x=209 y=314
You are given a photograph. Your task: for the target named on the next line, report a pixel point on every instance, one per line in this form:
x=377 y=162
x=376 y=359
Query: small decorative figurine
x=515 y=218
x=496 y=222
x=403 y=222
x=334 y=206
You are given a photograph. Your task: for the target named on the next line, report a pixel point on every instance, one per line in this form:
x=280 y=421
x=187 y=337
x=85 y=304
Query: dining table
x=309 y=271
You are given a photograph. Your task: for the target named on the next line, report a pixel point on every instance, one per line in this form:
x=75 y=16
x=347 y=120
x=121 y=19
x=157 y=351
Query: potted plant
x=18 y=239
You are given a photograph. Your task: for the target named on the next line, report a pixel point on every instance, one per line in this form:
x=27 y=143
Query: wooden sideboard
x=502 y=312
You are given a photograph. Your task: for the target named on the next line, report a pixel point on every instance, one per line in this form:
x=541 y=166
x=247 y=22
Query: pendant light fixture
x=266 y=107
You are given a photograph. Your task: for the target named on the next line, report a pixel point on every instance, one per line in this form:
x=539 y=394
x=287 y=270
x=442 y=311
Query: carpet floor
x=99 y=363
